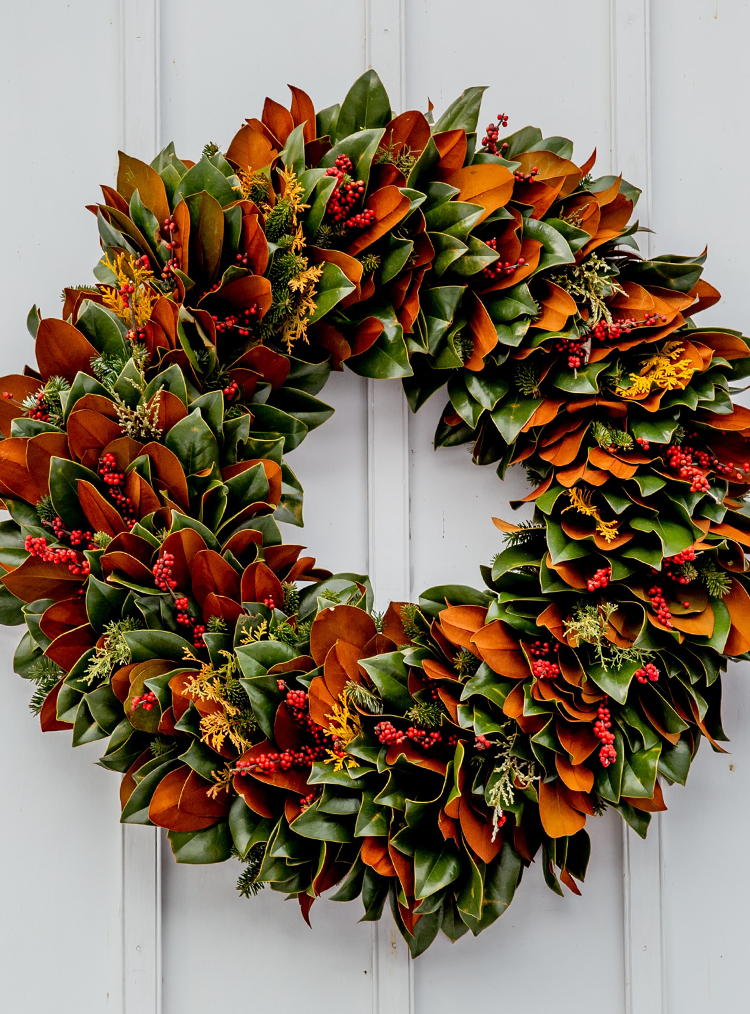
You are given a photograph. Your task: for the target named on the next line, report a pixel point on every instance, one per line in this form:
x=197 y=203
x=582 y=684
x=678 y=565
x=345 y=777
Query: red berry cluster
x=543 y=668
x=162 y=571
x=691 y=465
x=526 y=177
x=492 y=135
x=308 y=800
x=269 y=602
x=361 y=220
x=146 y=702
x=57 y=554
x=168 y=231
x=575 y=352
x=500 y=268
x=242 y=260
x=182 y=604
x=76 y=537
x=425 y=738
x=345 y=195
x=659 y=605
x=600 y=579
x=114 y=480
x=603 y=331
x=643 y=443
x=40 y=412
x=672 y=563
x=231 y=391
x=481 y=743
x=602 y=725
x=242 y=320
x=273 y=761
x=389 y=735
x=649 y=672
x=297 y=699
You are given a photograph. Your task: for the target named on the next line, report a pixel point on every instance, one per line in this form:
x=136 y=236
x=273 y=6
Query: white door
x=88 y=921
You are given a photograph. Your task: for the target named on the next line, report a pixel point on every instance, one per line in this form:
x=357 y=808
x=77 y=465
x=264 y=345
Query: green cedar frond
x=114 y=653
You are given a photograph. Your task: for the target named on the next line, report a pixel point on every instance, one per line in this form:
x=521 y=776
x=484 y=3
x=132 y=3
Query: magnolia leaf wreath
x=255 y=704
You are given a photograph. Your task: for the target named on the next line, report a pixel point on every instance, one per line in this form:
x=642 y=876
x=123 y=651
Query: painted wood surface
x=658 y=89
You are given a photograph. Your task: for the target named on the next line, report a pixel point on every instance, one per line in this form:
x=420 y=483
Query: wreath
x=255 y=704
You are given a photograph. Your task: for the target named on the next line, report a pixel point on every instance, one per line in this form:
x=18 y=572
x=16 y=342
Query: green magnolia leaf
x=214 y=845
x=434 y=600
x=674 y=537
x=668 y=271
x=511 y=415
x=312 y=823
x=466 y=406
x=390 y=676
x=204 y=176
x=193 y=442
x=102 y=328
x=639 y=773
x=64 y=477
x=455 y=219
x=462 y=113
x=360 y=148
x=271 y=423
x=448 y=250
x=614 y=682
x=332 y=288
x=580 y=381
x=366 y=105
x=434 y=870
x=386 y=359
x=522 y=140
x=555 y=249
x=303 y=406
x=293 y=155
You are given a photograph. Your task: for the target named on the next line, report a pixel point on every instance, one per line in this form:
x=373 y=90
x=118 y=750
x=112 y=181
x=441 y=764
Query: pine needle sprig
x=426 y=716
x=527 y=379
x=529 y=532
x=717 y=582
x=467 y=663
x=46 y=674
x=364 y=698
x=247 y=882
